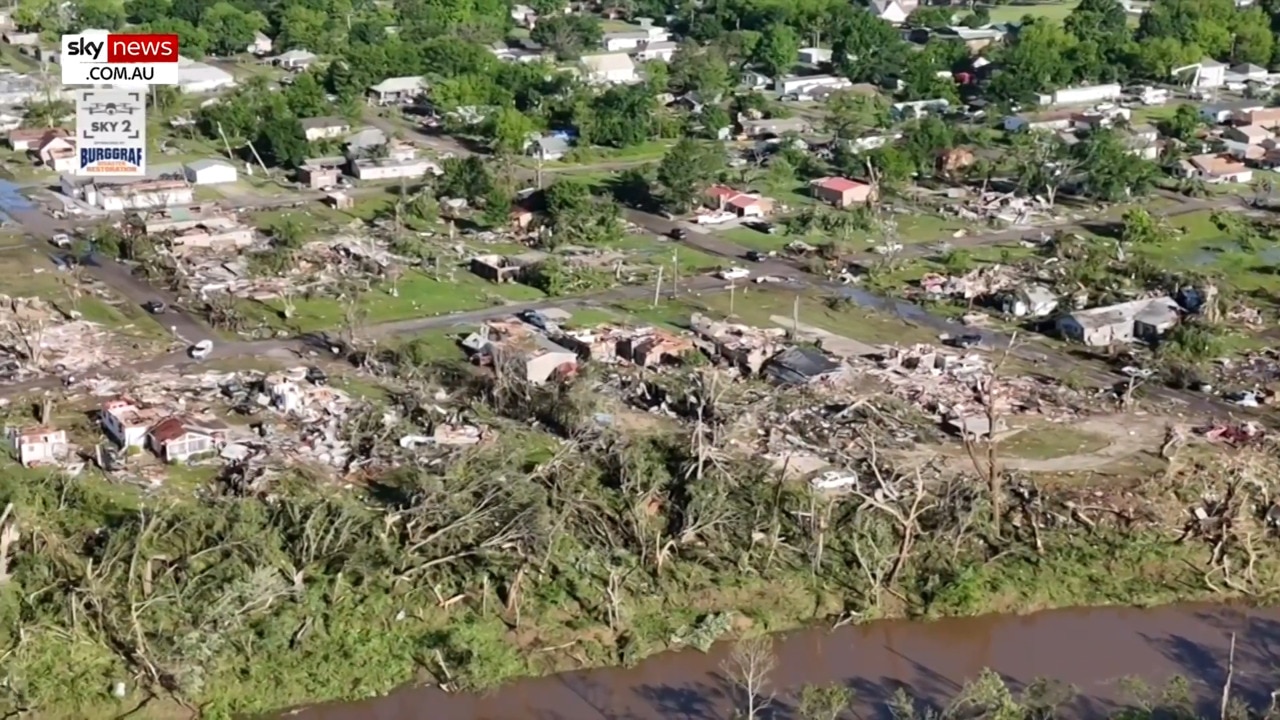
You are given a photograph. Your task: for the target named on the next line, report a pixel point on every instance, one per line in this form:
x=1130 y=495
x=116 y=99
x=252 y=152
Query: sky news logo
x=119 y=59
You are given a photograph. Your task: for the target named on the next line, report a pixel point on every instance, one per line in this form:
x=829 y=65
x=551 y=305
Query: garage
x=210 y=172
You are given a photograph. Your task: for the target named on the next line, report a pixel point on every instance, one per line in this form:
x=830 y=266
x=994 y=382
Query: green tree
x=193 y=41
x=778 y=50
x=1254 y=41
x=230 y=29
x=1184 y=124
x=703 y=71
x=99 y=15
x=508 y=130
x=824 y=702
x=306 y=98
x=930 y=17
x=466 y=177
x=141 y=12
x=849 y=115
x=576 y=217
x=686 y=169
x=618 y=117
x=281 y=142
x=567 y=35
x=1111 y=171
x=865 y=48
x=34 y=15
x=303 y=27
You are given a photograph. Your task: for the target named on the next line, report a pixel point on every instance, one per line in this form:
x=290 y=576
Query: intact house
x=890 y=11
x=802 y=86
x=210 y=171
x=524 y=16
x=39 y=445
x=773 y=127
x=294 y=60
x=1262 y=117
x=30 y=139
x=393 y=168
x=745 y=205
x=321 y=173
x=615 y=69
x=1143 y=141
x=646 y=34
x=261 y=45
x=656 y=51
x=841 y=192
x=179 y=438
x=197 y=77
x=398 y=90
x=322 y=128
x=503 y=268
x=549 y=148
x=1215 y=168
x=1145 y=319
x=59 y=154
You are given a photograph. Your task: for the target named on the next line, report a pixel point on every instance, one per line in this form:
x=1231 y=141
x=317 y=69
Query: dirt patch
x=1089 y=444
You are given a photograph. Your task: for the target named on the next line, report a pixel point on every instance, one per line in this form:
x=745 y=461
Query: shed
x=209 y=172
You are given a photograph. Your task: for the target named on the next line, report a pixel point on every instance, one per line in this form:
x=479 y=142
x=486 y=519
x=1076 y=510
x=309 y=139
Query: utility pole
x=657 y=287
x=675 y=271
x=733 y=295
x=795 y=318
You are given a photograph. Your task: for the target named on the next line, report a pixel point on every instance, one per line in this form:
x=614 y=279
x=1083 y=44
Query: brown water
x=1092 y=649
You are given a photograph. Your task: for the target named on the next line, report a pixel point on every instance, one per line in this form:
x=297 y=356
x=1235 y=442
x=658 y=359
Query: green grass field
x=1015 y=12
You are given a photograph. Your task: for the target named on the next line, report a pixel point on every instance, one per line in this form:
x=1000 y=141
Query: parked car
x=734 y=273
x=316 y=376
x=679 y=233
x=963 y=341
x=61 y=240
x=201 y=350
x=762 y=226
x=155 y=307
x=757 y=256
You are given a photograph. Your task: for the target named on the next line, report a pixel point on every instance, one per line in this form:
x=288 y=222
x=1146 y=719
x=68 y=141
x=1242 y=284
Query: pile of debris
x=37 y=338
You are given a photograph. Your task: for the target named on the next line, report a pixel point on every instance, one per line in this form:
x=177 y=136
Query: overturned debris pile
x=39 y=338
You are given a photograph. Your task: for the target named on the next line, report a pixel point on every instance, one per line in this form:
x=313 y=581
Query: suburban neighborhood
x=470 y=342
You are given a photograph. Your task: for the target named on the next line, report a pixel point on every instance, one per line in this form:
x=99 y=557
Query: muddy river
x=1094 y=649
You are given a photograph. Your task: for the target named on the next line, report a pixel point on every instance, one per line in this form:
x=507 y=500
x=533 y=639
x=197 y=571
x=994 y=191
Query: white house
x=321 y=128
x=814 y=56
x=658 y=51
x=198 y=77
x=59 y=154
x=210 y=171
x=891 y=11
x=141 y=195
x=1216 y=168
x=38 y=445
x=261 y=45
x=398 y=90
x=295 y=60
x=178 y=439
x=646 y=34
x=125 y=423
x=613 y=68
x=393 y=168
x=1211 y=74
x=799 y=84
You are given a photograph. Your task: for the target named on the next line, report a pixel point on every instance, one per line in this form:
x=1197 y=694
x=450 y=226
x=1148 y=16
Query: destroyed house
x=534 y=354
x=38 y=445
x=321 y=173
x=802 y=365
x=648 y=347
x=178 y=438
x=176 y=219
x=743 y=346
x=1145 y=319
x=125 y=423
x=503 y=268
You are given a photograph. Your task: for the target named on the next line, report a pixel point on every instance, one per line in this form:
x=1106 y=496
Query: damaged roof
x=798 y=365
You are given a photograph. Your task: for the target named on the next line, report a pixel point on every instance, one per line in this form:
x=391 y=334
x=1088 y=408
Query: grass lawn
x=28 y=273
x=912 y=229
x=652 y=150
x=757 y=306
x=647 y=249
x=1015 y=12
x=419 y=296
x=1045 y=441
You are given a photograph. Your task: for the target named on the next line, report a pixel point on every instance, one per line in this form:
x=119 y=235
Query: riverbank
x=1098 y=651
x=599 y=559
